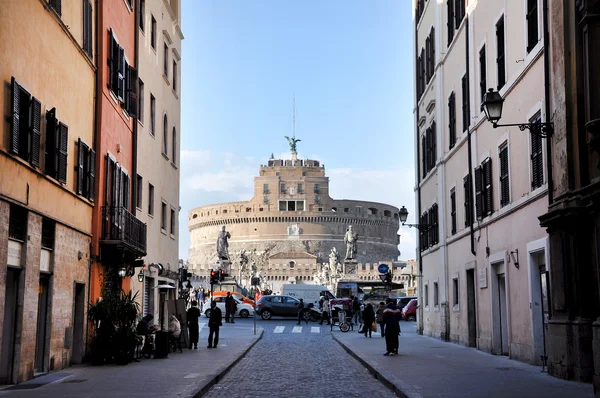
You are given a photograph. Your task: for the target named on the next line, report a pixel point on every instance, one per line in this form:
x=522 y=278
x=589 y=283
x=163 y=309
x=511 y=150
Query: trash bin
x=161 y=344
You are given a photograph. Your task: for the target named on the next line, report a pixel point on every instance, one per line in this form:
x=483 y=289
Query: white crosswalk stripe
x=315 y=329
x=297 y=329
x=279 y=329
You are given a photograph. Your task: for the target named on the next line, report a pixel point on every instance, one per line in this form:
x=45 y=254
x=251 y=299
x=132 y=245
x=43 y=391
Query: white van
x=308 y=293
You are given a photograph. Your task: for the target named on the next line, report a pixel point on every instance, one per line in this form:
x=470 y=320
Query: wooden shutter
x=424 y=154
x=91 y=174
x=504 y=182
x=488 y=187
x=467 y=202
x=121 y=67
x=433 y=144
x=537 y=161
x=57 y=6
x=111 y=60
x=500 y=64
x=80 y=164
x=34 y=131
x=478 y=192
x=432 y=50
x=125 y=201
x=450 y=21
x=87 y=27
x=63 y=131
x=109 y=181
x=132 y=92
x=453 y=211
x=51 y=144
x=452 y=120
x=15 y=120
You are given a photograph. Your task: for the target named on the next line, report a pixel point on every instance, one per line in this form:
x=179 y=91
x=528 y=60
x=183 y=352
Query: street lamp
x=492 y=108
x=141 y=276
x=404 y=215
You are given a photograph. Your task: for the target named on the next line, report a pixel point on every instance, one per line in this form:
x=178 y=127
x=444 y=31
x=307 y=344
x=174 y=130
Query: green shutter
x=63 y=133
x=15 y=119
x=34 y=131
x=91 y=174
x=80 y=163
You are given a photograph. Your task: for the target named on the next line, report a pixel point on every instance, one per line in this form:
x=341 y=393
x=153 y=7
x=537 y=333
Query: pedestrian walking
x=357 y=316
x=379 y=317
x=193 y=314
x=214 y=323
x=227 y=306
x=368 y=317
x=232 y=308
x=301 y=312
x=392 y=316
x=325 y=312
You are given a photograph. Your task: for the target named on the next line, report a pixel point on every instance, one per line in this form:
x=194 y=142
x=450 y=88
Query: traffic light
x=388 y=280
x=221 y=275
x=214 y=278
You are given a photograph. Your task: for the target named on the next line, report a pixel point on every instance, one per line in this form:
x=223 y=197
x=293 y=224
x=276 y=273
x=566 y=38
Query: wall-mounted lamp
x=515 y=257
x=404 y=215
x=122 y=272
x=141 y=276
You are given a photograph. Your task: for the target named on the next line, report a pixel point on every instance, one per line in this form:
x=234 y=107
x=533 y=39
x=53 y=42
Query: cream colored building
x=159 y=130
x=481 y=189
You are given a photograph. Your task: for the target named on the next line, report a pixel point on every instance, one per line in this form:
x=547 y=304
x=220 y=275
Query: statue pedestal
x=225 y=265
x=350 y=268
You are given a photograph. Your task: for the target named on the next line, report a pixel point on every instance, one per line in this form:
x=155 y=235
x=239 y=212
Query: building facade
x=483 y=255
x=156 y=195
x=291 y=212
x=46 y=183
x=573 y=218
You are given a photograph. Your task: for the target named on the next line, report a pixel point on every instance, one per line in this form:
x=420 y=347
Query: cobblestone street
x=298 y=361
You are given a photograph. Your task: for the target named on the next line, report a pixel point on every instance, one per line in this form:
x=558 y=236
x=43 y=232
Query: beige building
x=158 y=134
x=480 y=191
x=47 y=181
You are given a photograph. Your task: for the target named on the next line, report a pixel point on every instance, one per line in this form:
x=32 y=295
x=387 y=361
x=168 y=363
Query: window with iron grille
x=48 y=227
x=452 y=120
x=25 y=123
x=482 y=72
x=532 y=24
x=17 y=223
x=504 y=181
x=466 y=113
x=436 y=299
x=450 y=23
x=537 y=158
x=468 y=207
x=484 y=198
x=500 y=57
x=455 y=291
x=87 y=28
x=453 y=210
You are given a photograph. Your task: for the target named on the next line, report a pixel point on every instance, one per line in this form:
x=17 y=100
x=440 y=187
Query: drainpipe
x=420 y=257
x=136 y=57
x=469 y=143
x=549 y=162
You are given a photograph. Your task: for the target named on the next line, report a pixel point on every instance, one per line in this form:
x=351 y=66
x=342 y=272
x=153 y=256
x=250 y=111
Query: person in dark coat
x=379 y=317
x=368 y=317
x=301 y=312
x=391 y=317
x=227 y=304
x=214 y=323
x=193 y=314
x=230 y=308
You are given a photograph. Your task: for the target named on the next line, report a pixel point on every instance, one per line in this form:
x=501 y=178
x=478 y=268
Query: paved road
x=297 y=361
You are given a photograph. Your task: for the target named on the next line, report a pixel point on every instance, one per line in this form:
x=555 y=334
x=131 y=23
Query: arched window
x=165 y=135
x=174 y=147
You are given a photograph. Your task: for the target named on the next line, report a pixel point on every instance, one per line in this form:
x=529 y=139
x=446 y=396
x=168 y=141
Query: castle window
x=334 y=209
x=346 y=210
x=387 y=213
x=292 y=264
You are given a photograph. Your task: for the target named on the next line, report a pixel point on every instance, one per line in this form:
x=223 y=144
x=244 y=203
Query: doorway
x=471 y=310
x=42 y=325
x=540 y=303
x=499 y=310
x=78 y=323
x=10 y=325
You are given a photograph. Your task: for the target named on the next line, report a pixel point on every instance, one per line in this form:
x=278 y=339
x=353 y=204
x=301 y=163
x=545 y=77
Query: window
x=48 y=227
x=282 y=186
x=420 y=9
x=56 y=6
x=317 y=198
x=482 y=72
x=459 y=12
x=500 y=61
x=300 y=188
x=265 y=199
x=87 y=28
x=25 y=124
x=165 y=135
x=150 y=199
x=429 y=236
x=265 y=188
x=429 y=149
x=141 y=101
x=421 y=74
x=17 y=223
x=129 y=3
x=532 y=24
x=504 y=182
x=174 y=75
x=426 y=295
x=139 y=191
x=142 y=11
x=174 y=146
x=537 y=159
x=317 y=189
x=163 y=216
x=282 y=205
x=152 y=114
x=166 y=61
x=452 y=119
x=430 y=55
x=484 y=199
x=450 y=22
x=465 y=103
x=453 y=210
x=300 y=205
x=153 y=32
x=455 y=291
x=346 y=210
x=173 y=221
x=436 y=299
x=467 y=203
x=304 y=174
x=123 y=78
x=117 y=187
x=86 y=170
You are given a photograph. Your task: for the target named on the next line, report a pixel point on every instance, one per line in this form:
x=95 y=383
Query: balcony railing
x=120 y=227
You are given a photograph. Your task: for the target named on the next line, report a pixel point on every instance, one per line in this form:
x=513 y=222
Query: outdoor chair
x=175 y=343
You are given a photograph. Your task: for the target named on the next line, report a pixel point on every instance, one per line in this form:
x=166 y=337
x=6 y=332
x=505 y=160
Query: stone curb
x=400 y=388
x=201 y=388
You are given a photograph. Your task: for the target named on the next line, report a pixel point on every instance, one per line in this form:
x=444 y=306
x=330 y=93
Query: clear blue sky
x=349 y=64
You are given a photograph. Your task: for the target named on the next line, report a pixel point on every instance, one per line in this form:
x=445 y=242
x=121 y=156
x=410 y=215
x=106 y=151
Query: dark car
x=269 y=306
x=402 y=301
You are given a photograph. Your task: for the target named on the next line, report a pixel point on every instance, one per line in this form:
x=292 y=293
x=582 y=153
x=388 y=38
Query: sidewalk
x=428 y=367
x=183 y=375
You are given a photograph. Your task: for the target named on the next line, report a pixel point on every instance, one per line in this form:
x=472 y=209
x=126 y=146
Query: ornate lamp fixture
x=404 y=215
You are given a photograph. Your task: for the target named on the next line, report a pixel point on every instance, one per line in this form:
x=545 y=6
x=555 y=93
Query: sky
x=349 y=66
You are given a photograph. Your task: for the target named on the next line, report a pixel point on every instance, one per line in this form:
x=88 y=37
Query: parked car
x=409 y=312
x=243 y=310
x=402 y=301
x=237 y=295
x=274 y=305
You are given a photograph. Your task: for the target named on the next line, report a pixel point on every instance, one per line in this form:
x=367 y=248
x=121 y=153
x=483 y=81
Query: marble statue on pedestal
x=350 y=239
x=223 y=244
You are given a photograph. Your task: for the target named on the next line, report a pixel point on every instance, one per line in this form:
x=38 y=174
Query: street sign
x=383 y=268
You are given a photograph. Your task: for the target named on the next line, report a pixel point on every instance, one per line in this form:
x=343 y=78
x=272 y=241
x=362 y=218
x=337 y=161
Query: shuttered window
x=165 y=136
x=504 y=181
x=429 y=149
x=63 y=139
x=131 y=92
x=482 y=72
x=453 y=211
x=468 y=207
x=430 y=55
x=450 y=22
x=465 y=103
x=500 y=61
x=25 y=124
x=532 y=24
x=87 y=27
x=86 y=170
x=537 y=159
x=174 y=147
x=142 y=11
x=56 y=6
x=478 y=193
x=452 y=120
x=56 y=147
x=484 y=197
x=34 y=132
x=459 y=11
x=166 y=61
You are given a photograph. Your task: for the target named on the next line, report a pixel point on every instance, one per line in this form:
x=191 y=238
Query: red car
x=409 y=312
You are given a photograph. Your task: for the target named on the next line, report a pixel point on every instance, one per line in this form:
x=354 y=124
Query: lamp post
x=404 y=215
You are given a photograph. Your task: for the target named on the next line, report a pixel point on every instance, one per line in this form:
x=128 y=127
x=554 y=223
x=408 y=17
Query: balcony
x=123 y=230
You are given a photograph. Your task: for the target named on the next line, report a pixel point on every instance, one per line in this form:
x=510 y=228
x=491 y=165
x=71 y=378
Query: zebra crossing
x=297 y=329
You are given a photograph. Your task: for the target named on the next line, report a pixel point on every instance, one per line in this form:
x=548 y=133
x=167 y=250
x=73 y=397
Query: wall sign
x=482 y=272
x=14 y=253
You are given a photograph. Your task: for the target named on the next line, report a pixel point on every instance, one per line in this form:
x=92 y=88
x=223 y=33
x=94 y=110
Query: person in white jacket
x=326 y=312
